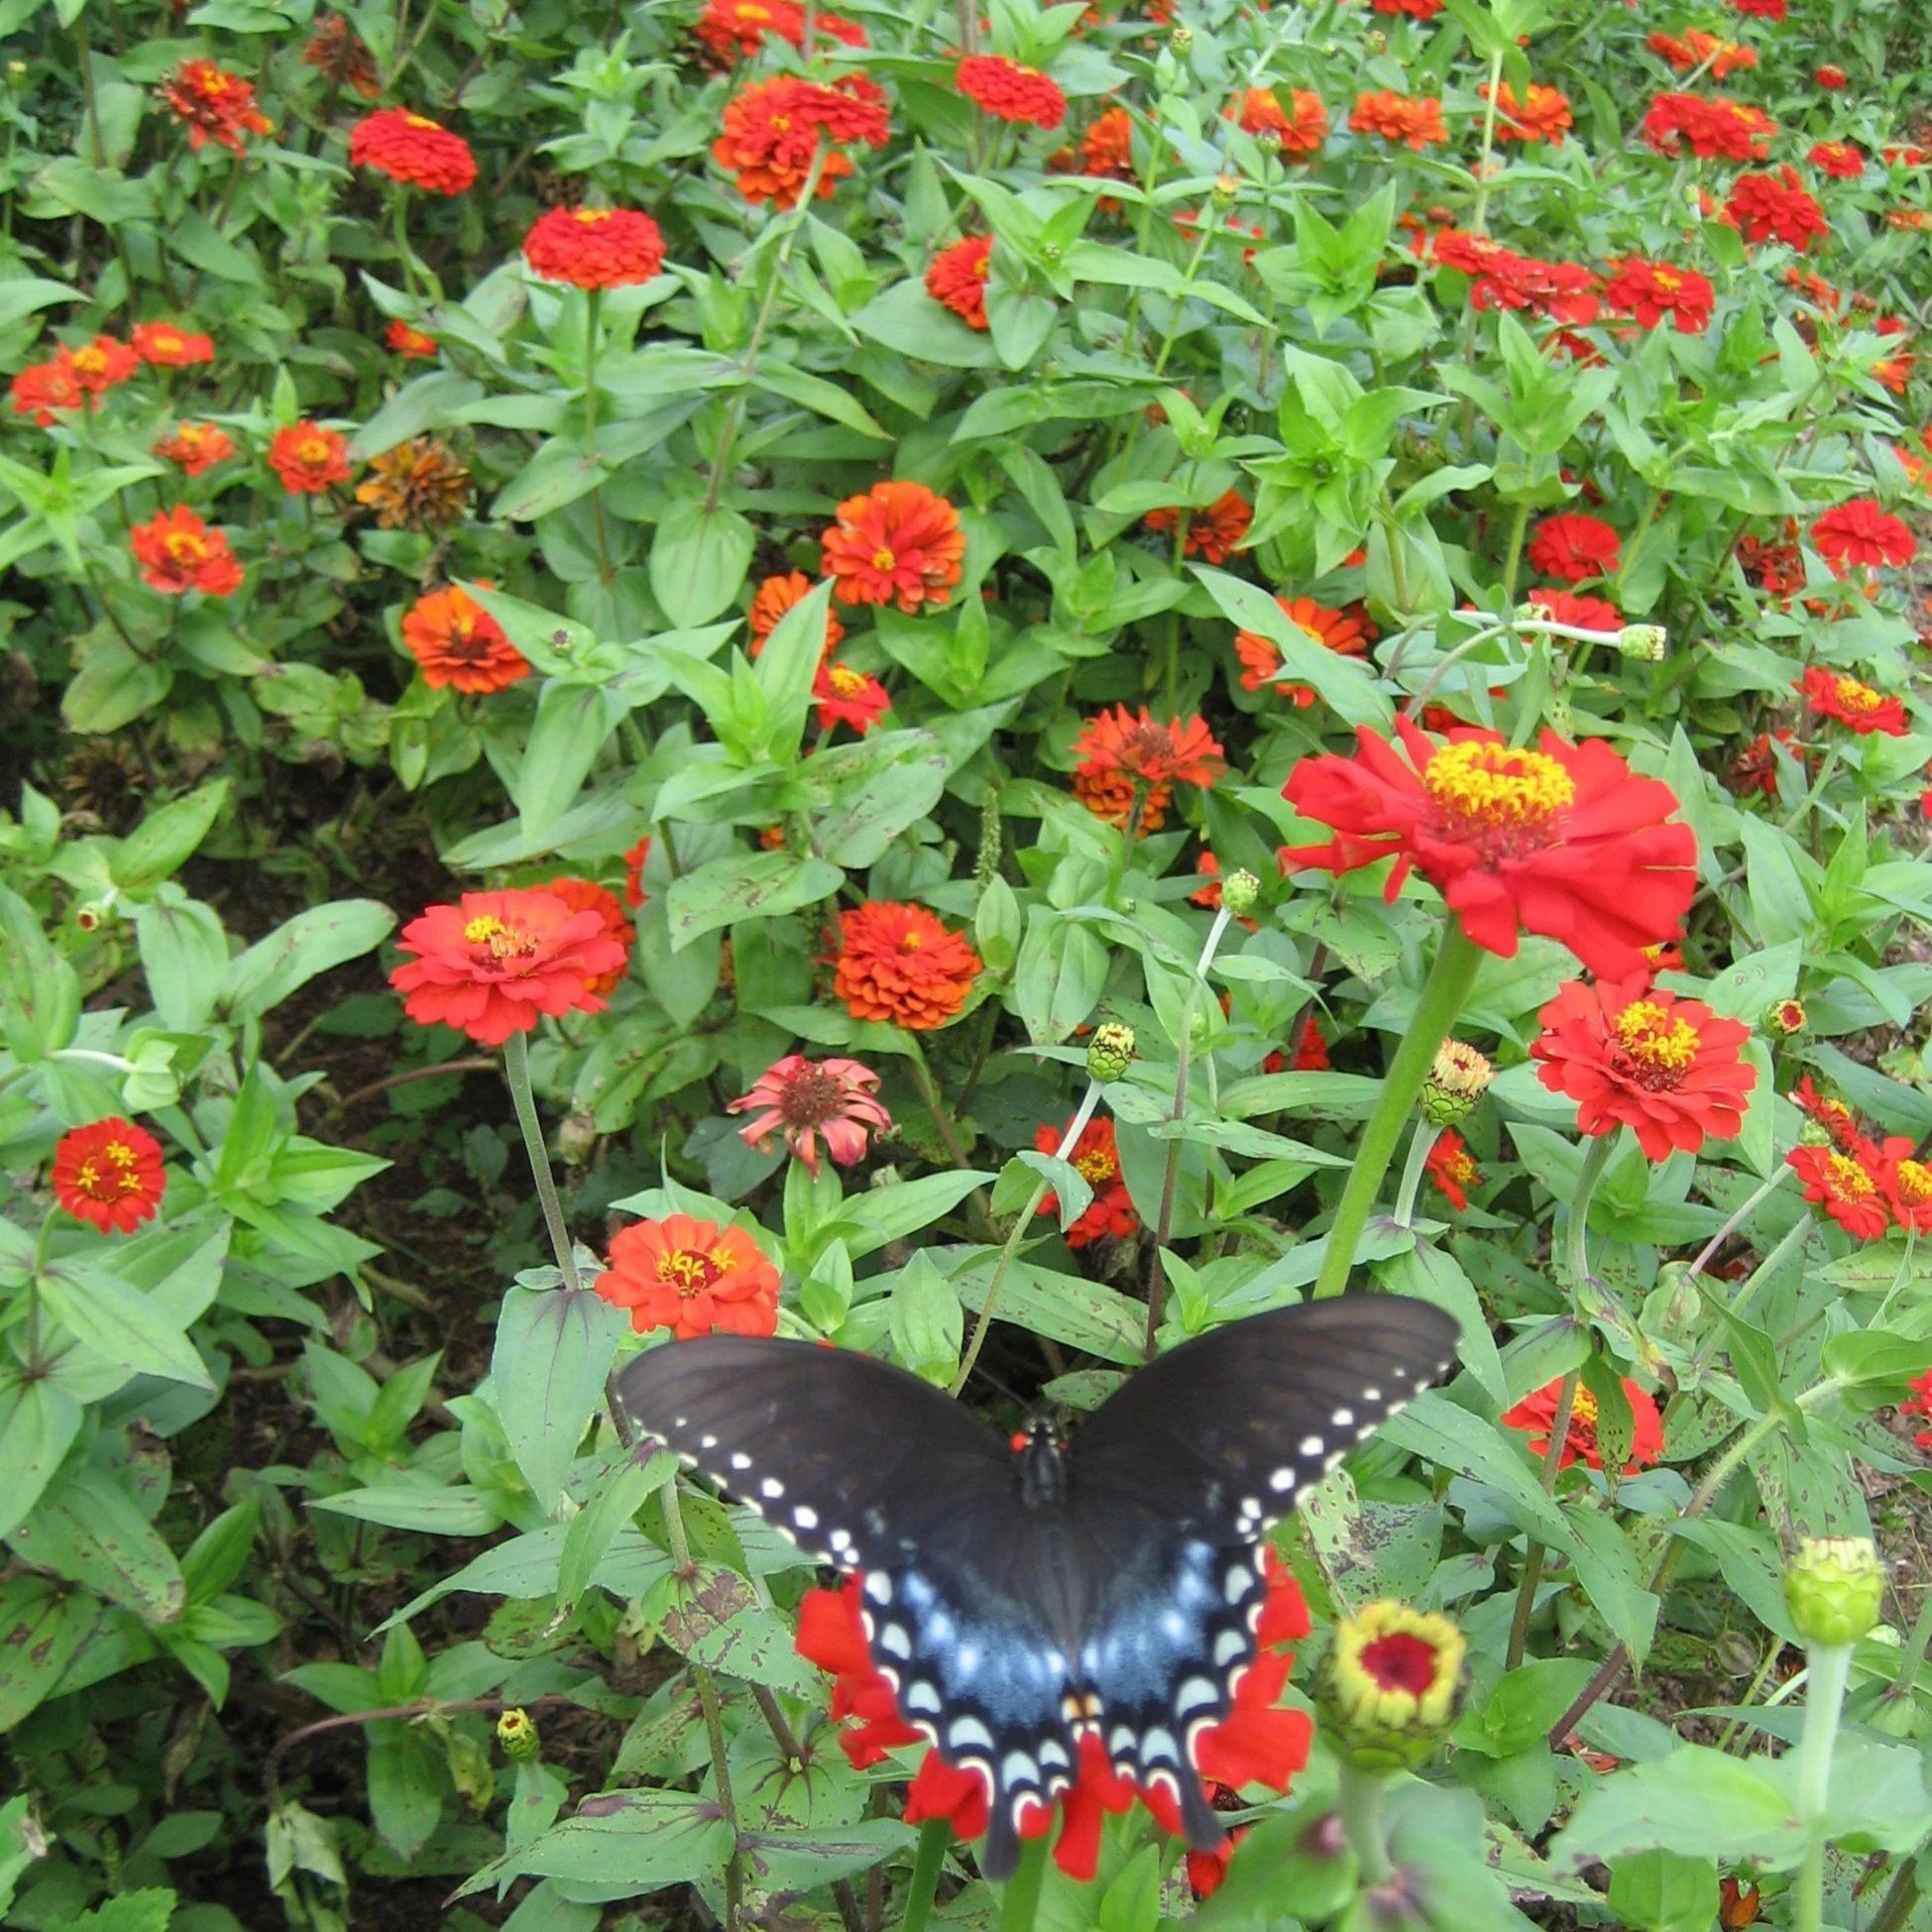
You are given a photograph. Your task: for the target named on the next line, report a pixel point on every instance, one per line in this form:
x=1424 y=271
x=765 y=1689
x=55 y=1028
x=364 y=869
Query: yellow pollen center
x=1848 y=1178
x=1915 y=1180
x=184 y=548
x=499 y=938
x=691 y=1271
x=756 y=15
x=883 y=558
x=585 y=216
x=1584 y=1410
x=91 y=361
x=314 y=449
x=1491 y=789
x=1663 y=1047
x=120 y=1180
x=782 y=122
x=1669 y=280
x=422 y=121
x=216 y=83
x=910 y=944
x=1857 y=696
x=1095 y=1166
x=847 y=683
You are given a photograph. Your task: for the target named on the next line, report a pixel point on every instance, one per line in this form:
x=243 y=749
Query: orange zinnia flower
x=494 y=963
x=1011 y=91
x=1650 y=291
x=1107 y=147
x=586 y=895
x=691 y=1277
x=309 y=458
x=774 y=597
x=458 y=646
x=215 y=105
x=1215 y=533
x=899 y=964
x=1907 y=1182
x=1453 y=1168
x=110 y=1174
x=45 y=386
x=958 y=275
x=1126 y=760
x=1260 y=111
x=1776 y=207
x=196 y=446
x=1544 y=114
x=416 y=486
x=178 y=552
x=774 y=127
x=408 y=342
x=898 y=543
x=1535 y=1417
x=336 y=51
x=413 y=150
x=104 y=364
x=1345 y=632
x=595 y=248
x=1417 y=119
x=635 y=861
x=163 y=346
x=1860 y=534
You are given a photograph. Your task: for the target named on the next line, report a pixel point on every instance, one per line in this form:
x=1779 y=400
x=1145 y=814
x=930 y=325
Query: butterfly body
x=1019 y=1596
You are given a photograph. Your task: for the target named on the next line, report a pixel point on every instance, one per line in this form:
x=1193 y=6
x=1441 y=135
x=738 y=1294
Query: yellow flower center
x=1848 y=1178
x=757 y=16
x=692 y=1269
x=587 y=217
x=845 y=682
x=782 y=122
x=499 y=938
x=313 y=450
x=1584 y=1410
x=182 y=546
x=910 y=944
x=422 y=121
x=1663 y=1047
x=215 y=83
x=1097 y=1165
x=883 y=558
x=1498 y=799
x=1915 y=1180
x=1669 y=280
x=91 y=361
x=1854 y=695
x=96 y=1186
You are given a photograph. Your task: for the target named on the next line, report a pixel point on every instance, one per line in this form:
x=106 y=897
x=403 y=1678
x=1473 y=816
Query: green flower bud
x=1645 y=640
x=576 y=1138
x=1182 y=40
x=516 y=1732
x=1833 y=1586
x=1269 y=141
x=1110 y=1052
x=1814 y=1133
x=1785 y=1018
x=1226 y=187
x=1455 y=1083
x=1239 y=890
x=1391 y=1684
x=1375 y=44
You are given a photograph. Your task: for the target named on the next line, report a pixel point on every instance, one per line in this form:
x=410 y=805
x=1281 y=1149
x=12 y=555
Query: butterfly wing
x=867 y=1467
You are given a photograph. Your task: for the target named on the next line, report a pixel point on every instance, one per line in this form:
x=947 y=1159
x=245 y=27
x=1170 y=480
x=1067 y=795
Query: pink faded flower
x=801 y=1099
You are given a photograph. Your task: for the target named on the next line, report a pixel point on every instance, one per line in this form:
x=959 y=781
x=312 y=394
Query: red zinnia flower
x=1260 y=111
x=898 y=543
x=1763 y=207
x=1843 y=1183
x=1650 y=291
x=1565 y=839
x=163 y=346
x=309 y=458
x=1109 y=1215
x=1453 y=1169
x=897 y=962
x=1919 y=1403
x=1124 y=760
x=1755 y=769
x=1908 y=1183
x=595 y=248
x=773 y=129
x=102 y=364
x=413 y=150
x=178 y=552
x=336 y=51
x=109 y=1173
x=1345 y=632
x=586 y=895
x=691 y=1277
x=495 y=962
x=459 y=644
x=1417 y=120
x=45 y=386
x=1574 y=548
x=1541 y=115
x=1860 y=532
x=1536 y=1416
x=1412 y=9
x=1011 y=91
x=408 y=342
x=1712 y=127
x=1632 y=1055
x=848 y=697
x=774 y=597
x=1573 y=607
x=1852 y=702
x=1255 y=1744
x=635 y=861
x=1310 y=1048
x=1837 y=1119
x=196 y=446
x=801 y=1099
x=215 y=105
x=1841 y=160
x=957 y=275
x=1215 y=533
x=1696 y=49
x=1763 y=8
x=731 y=27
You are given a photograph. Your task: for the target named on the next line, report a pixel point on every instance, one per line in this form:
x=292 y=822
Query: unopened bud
x=1455 y=1083
x=1375 y=42
x=88 y=918
x=1834 y=1587
x=1785 y=1018
x=1391 y=1683
x=1110 y=1052
x=1269 y=141
x=576 y=1137
x=517 y=1734
x=1646 y=641
x=1226 y=187
x=1182 y=40
x=1814 y=1133
x=1239 y=890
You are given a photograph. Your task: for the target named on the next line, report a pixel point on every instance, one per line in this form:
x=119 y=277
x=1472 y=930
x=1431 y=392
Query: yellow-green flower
x=516 y=1732
x=1833 y=1586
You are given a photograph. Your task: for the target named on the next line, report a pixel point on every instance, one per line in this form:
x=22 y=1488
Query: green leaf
x=40 y=995
x=553 y=1349
x=572 y=721
x=1435 y=1428
x=1663 y=1891
x=785 y=670
x=118 y=1322
x=38 y=1425
x=762 y=887
x=42 y=1625
x=299 y=949
x=165 y=839
x=184 y=953
x=927 y=1325
x=1686 y=1803
x=622 y=1844
x=698 y=561
x=91 y=1530
x=1060 y=975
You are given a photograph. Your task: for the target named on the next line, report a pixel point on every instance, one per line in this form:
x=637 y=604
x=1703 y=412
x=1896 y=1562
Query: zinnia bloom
x=1712 y=127
x=1632 y=1055
x=416 y=486
x=1574 y=548
x=1837 y=1119
x=1010 y=92
x=196 y=446
x=774 y=127
x=635 y=861
x=1828 y=77
x=110 y=1174
x=1767 y=208
x=1216 y=532
x=1845 y=1184
x=898 y=543
x=162 y=344
x=1411 y=9
x=595 y=248
x=1260 y=111
x=1345 y=632
x=1574 y=607
x=1127 y=761
x=178 y=552
x=1840 y=160
x=336 y=51
x=774 y=597
x=958 y=275
x=691 y=1277
x=848 y=697
x=1453 y=1169
x=104 y=364
x=1107 y=147
x=458 y=646
x=1255 y=1744
x=1860 y=533
x=1536 y=1416
x=1544 y=114
x=1109 y=1215
x=802 y=1101
x=407 y=342
x=45 y=386
x=495 y=962
x=898 y=964
x=413 y=150
x=586 y=895
x=1851 y=701
x=1417 y=120
x=310 y=459
x=1565 y=839
x=1650 y=291
x=1696 y=49
x=1310 y=1048
x=1907 y=1185
x=215 y=105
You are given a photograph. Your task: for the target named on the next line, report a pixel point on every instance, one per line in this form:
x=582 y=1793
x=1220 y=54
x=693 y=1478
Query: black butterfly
x=1018 y=1593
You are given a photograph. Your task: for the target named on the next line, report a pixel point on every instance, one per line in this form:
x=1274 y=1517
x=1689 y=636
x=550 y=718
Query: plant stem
x=934 y=1837
x=517 y=1069
x=1361 y=1821
x=1443 y=996
x=946 y=1126
x=1793 y=1241
x=1421 y=1143
x=1479 y=219
x=1830 y=1669
x=593 y=301
x=1020 y=1903
x=1899 y=1901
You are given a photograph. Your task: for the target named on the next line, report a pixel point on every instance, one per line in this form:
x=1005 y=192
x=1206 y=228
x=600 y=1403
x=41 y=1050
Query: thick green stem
x=517 y=1069
x=934 y=1837
x=1900 y=1899
x=1421 y=1143
x=1019 y=1903
x=1361 y=1822
x=1479 y=218
x=1444 y=994
x=1829 y=1669
x=593 y=342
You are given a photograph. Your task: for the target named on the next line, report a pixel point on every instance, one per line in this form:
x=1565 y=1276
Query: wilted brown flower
x=416 y=486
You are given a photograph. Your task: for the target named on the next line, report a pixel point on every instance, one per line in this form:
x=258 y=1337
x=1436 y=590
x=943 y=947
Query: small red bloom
x=898 y=543
x=1109 y=1215
x=958 y=275
x=803 y=1099
x=215 y=105
x=1837 y=1119
x=494 y=963
x=104 y=364
x=1574 y=548
x=196 y=446
x=1767 y=207
x=42 y=388
x=1653 y=291
x=1572 y=606
x=848 y=697
x=1843 y=160
x=773 y=597
x=1310 y=1048
x=1755 y=769
x=1107 y=147
x=1696 y=49
x=586 y=895
x=1536 y=1416
x=1843 y=1182
x=110 y=1174
x=163 y=346
x=458 y=646
x=1851 y=701
x=635 y=861
x=178 y=552
x=1763 y=8
x=1712 y=127
x=1908 y=1183
x=897 y=962
x=1451 y=1166
x=595 y=248
x=1919 y=1403
x=1828 y=77
x=1216 y=532
x=409 y=343
x=1415 y=120
x=310 y=459
x=1633 y=1054
x=1010 y=92
x=1860 y=533
x=691 y=1277
x=413 y=150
